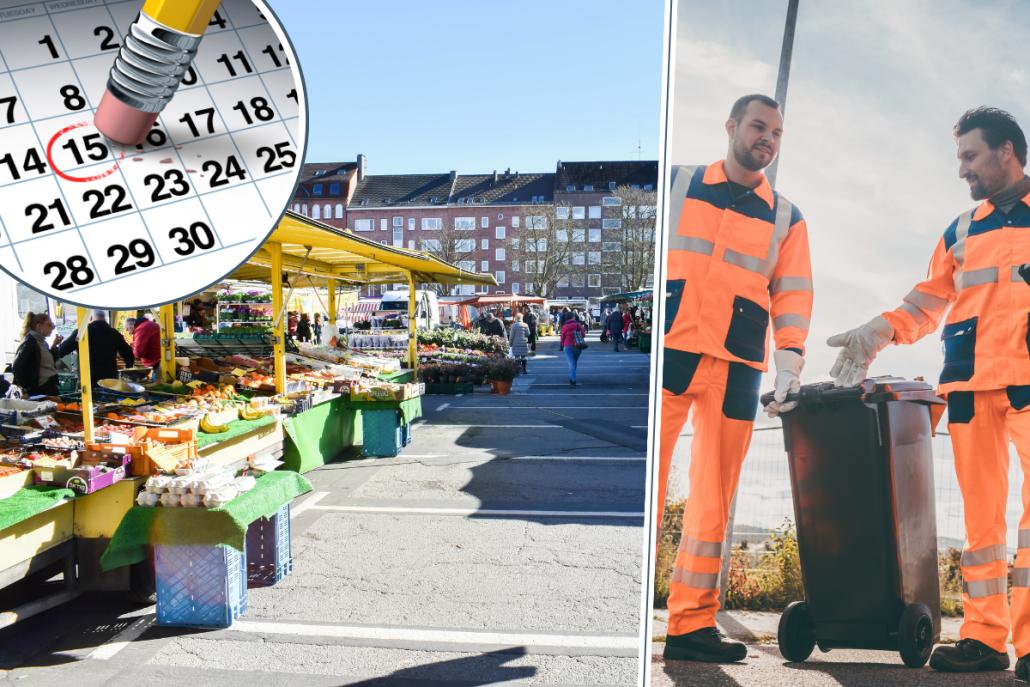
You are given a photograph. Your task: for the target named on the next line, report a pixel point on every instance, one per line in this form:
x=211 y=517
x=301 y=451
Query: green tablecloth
x=235 y=429
x=410 y=409
x=317 y=436
x=25 y=503
x=142 y=527
x=402 y=376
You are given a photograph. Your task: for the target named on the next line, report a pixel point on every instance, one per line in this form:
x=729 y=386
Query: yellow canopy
x=319 y=250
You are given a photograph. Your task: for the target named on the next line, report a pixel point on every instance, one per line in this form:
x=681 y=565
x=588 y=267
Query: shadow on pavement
x=485 y=669
x=691 y=674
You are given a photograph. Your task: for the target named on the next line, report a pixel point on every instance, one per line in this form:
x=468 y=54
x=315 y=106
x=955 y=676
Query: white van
x=427 y=310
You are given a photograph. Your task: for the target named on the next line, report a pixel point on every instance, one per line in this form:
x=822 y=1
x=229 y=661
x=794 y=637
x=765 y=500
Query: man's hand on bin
x=788 y=380
x=858 y=349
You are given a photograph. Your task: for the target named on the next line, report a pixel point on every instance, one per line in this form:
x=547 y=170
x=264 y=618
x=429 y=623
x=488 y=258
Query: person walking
x=316 y=328
x=627 y=323
x=106 y=345
x=738 y=263
x=564 y=316
x=974 y=278
x=304 y=328
x=573 y=341
x=614 y=326
x=146 y=341
x=35 y=362
x=531 y=321
x=519 y=340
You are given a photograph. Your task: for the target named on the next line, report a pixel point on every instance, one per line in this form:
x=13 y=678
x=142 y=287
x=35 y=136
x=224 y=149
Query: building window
x=561 y=235
x=411 y=244
x=316 y=212
x=648 y=187
x=563 y=283
x=304 y=210
x=465 y=245
x=465 y=223
x=411 y=224
x=499 y=276
x=431 y=245
x=536 y=222
x=611 y=185
x=579 y=235
x=611 y=224
x=334 y=189
x=579 y=258
x=316 y=190
x=610 y=246
x=514 y=287
x=561 y=212
x=594 y=257
x=432 y=224
x=530 y=266
x=635 y=187
x=398 y=222
x=514 y=265
x=484 y=265
x=594 y=212
x=327 y=211
x=515 y=242
x=499 y=233
x=649 y=284
x=398 y=237
x=362 y=225
x=611 y=200
x=499 y=254
x=578 y=281
x=515 y=222
x=484 y=222
x=339 y=211
x=594 y=235
x=594 y=281
x=579 y=212
x=484 y=244
x=468 y=265
x=570 y=188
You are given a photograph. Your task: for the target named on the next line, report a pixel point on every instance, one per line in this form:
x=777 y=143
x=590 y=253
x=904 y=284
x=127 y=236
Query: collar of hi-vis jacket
x=715 y=173
x=987 y=207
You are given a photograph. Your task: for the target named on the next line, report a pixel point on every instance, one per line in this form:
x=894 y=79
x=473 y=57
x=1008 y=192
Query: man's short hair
x=740 y=107
x=997 y=126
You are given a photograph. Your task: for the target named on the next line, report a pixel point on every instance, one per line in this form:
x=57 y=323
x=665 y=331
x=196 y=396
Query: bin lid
x=872 y=390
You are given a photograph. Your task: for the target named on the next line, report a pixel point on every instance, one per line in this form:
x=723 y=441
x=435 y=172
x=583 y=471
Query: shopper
x=519 y=340
x=146 y=342
x=106 y=345
x=627 y=322
x=316 y=328
x=531 y=322
x=35 y=366
x=973 y=279
x=493 y=326
x=573 y=341
x=613 y=325
x=304 y=328
x=720 y=306
x=564 y=316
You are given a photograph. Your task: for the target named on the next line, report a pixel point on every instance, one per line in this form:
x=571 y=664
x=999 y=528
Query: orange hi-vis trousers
x=981 y=423
x=724 y=399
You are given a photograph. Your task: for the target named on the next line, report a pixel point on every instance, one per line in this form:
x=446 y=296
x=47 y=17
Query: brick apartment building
x=472 y=218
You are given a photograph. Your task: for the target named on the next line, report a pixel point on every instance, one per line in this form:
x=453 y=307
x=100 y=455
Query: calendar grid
x=141 y=215
x=121 y=173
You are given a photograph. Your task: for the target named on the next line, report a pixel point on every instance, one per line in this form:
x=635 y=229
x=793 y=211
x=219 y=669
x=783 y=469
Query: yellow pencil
x=157 y=51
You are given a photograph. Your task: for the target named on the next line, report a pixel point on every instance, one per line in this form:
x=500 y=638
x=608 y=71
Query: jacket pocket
x=673 y=297
x=748 y=327
x=959 y=351
x=1028 y=334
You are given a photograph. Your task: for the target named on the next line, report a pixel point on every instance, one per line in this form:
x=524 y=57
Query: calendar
x=92 y=222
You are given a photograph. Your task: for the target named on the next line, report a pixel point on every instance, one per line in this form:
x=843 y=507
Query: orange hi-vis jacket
x=975 y=270
x=732 y=263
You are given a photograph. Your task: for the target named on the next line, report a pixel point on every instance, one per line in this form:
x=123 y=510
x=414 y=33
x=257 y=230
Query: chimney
x=362 y=161
x=454 y=174
x=507 y=173
x=495 y=177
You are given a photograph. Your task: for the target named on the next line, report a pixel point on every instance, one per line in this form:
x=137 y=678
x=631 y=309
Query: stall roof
x=645 y=295
x=499 y=299
x=319 y=250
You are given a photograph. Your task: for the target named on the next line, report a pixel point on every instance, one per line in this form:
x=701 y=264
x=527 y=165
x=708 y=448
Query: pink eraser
x=121 y=123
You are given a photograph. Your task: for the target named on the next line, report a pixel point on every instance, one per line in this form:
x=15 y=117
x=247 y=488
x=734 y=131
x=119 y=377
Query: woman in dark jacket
x=304 y=328
x=35 y=363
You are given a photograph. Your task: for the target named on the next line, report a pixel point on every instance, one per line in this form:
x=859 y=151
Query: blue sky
x=477 y=86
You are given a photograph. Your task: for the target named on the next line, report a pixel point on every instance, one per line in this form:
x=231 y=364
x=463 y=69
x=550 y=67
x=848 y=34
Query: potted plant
x=501 y=373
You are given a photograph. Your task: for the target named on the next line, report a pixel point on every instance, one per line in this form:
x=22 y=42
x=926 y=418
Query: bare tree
x=549 y=246
x=452 y=245
x=633 y=260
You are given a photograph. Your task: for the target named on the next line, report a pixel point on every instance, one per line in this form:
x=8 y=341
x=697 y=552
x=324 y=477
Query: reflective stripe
x=925 y=300
x=791 y=320
x=748 y=262
x=966 y=279
x=695 y=579
x=1024 y=539
x=790 y=284
x=978 y=589
x=1021 y=577
x=958 y=250
x=697 y=547
x=1015 y=276
x=917 y=314
x=681 y=177
x=982 y=556
x=691 y=244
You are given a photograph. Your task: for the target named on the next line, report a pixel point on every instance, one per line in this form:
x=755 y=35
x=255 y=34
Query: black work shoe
x=1023 y=668
x=966 y=656
x=706 y=644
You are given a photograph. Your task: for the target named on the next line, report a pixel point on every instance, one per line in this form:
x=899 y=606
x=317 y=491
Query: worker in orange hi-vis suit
x=738 y=257
x=986 y=378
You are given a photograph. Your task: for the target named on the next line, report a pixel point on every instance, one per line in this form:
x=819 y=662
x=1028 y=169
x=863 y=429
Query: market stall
x=640 y=304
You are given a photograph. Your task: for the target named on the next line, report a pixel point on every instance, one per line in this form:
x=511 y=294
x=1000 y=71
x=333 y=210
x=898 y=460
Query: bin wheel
x=795 y=635
x=915 y=635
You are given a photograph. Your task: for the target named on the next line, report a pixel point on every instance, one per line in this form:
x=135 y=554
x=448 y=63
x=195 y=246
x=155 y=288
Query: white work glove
x=788 y=379
x=858 y=349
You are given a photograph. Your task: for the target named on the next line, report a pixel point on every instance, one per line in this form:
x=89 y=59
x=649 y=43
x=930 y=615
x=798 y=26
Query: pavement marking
x=405 y=634
x=578 y=393
x=496 y=457
x=309 y=502
x=399 y=510
x=111 y=647
x=458 y=424
x=442 y=406
x=601 y=458
x=546 y=407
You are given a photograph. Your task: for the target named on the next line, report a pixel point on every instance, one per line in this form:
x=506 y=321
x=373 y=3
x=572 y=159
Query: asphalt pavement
x=503 y=546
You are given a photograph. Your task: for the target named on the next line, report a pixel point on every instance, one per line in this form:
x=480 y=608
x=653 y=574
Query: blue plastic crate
x=405 y=434
x=382 y=432
x=269 y=558
x=200 y=586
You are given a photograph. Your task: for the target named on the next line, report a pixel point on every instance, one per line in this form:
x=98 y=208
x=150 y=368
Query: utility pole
x=781 y=97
